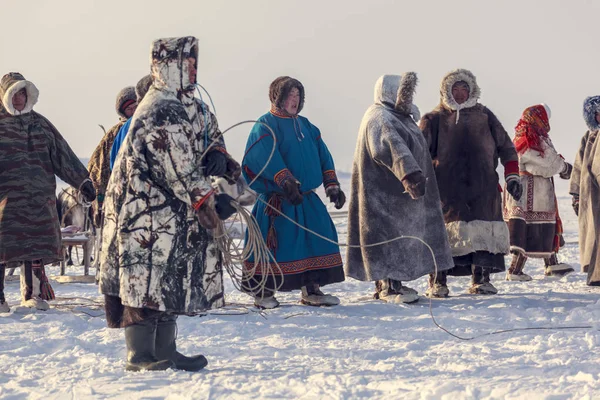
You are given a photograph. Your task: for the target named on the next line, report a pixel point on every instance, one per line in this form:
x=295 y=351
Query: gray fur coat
x=585 y=183
x=390 y=146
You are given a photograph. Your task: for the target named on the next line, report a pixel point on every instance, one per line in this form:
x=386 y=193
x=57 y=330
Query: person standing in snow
x=32 y=152
x=300 y=164
x=585 y=189
x=465 y=141
x=161 y=259
x=394 y=194
x=99 y=164
x=533 y=220
x=141 y=88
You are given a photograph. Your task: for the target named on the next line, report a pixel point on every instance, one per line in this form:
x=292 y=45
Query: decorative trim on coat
x=511 y=170
x=283 y=176
x=478 y=235
x=300 y=266
x=330 y=178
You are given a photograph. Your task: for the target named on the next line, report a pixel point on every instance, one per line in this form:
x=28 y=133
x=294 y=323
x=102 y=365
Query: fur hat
x=281 y=87
x=591 y=106
x=125 y=97
x=397 y=92
x=12 y=83
x=142 y=87
x=453 y=77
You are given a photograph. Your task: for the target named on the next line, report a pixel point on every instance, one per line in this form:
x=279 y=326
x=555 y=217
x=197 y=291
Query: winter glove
x=207 y=216
x=223 y=206
x=336 y=196
x=415 y=184
x=576 y=205
x=87 y=191
x=514 y=187
x=566 y=172
x=291 y=190
x=234 y=171
x=215 y=163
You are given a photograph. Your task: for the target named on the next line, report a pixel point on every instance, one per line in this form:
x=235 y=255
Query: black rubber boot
x=141 y=355
x=166 y=348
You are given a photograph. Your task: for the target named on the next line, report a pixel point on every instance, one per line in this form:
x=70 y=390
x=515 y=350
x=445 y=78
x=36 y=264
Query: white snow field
x=359 y=349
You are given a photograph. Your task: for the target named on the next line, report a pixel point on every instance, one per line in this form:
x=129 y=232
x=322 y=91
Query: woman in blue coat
x=300 y=164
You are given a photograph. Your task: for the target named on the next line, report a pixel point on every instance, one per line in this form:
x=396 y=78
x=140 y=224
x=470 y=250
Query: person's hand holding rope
x=291 y=190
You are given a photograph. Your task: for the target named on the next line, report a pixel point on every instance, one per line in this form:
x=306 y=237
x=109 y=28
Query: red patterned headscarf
x=532 y=129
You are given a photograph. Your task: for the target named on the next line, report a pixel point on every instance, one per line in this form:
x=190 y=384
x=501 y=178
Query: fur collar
x=9 y=85
x=396 y=91
x=446 y=89
x=591 y=106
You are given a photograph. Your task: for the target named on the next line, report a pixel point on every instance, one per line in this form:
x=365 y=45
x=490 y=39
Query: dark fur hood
x=281 y=87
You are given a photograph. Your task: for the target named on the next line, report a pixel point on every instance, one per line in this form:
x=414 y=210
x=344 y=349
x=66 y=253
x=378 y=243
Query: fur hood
x=142 y=87
x=169 y=71
x=449 y=80
x=396 y=91
x=10 y=84
x=126 y=95
x=281 y=87
x=591 y=106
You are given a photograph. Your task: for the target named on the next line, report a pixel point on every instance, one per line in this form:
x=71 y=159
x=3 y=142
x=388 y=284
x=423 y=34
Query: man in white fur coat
x=394 y=194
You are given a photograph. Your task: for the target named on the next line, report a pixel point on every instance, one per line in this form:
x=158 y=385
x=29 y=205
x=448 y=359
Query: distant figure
x=585 y=189
x=466 y=140
x=300 y=164
x=32 y=152
x=141 y=88
x=394 y=193
x=99 y=164
x=533 y=220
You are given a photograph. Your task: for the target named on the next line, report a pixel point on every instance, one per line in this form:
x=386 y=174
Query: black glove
x=223 y=206
x=291 y=190
x=415 y=184
x=336 y=196
x=515 y=188
x=566 y=173
x=87 y=191
x=233 y=172
x=215 y=163
x=576 y=205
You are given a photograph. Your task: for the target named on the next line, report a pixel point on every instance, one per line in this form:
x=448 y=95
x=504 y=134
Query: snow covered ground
x=360 y=349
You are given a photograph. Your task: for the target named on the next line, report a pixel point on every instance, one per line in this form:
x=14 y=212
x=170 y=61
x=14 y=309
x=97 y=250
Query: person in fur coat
x=585 y=189
x=466 y=140
x=394 y=194
x=99 y=164
x=161 y=259
x=533 y=221
x=32 y=154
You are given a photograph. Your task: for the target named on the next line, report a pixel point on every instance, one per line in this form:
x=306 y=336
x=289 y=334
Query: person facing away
x=465 y=141
x=393 y=194
x=161 y=258
x=299 y=164
x=533 y=220
x=585 y=189
x=32 y=153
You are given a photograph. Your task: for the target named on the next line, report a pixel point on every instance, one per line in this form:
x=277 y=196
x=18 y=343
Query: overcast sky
x=80 y=53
